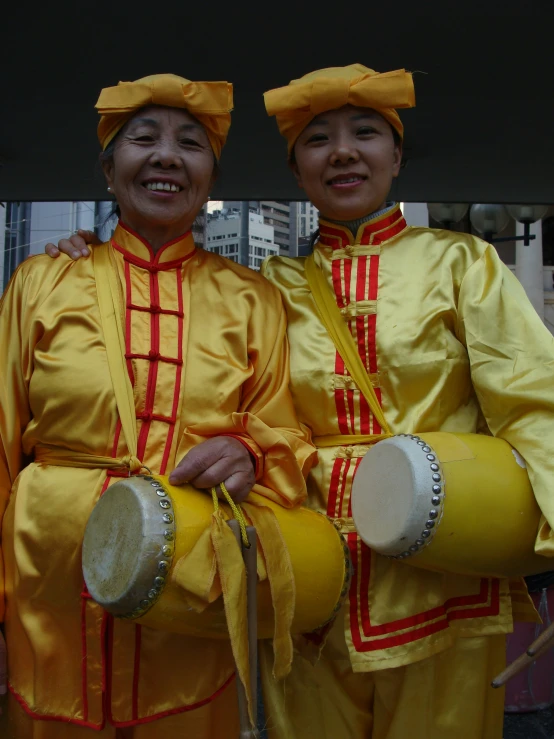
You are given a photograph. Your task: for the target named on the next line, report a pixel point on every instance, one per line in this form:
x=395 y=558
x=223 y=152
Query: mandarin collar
x=138 y=250
x=374 y=231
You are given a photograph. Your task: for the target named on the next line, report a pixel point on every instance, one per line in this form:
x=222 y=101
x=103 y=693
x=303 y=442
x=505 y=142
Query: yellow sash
x=344 y=343
x=110 y=302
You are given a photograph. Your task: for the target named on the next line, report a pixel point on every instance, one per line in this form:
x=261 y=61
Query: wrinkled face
x=345 y=160
x=162 y=169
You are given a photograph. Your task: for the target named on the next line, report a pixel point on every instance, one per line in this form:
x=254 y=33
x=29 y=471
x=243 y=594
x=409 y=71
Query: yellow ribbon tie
x=232 y=575
x=344 y=344
x=281 y=580
x=237 y=512
x=46 y=454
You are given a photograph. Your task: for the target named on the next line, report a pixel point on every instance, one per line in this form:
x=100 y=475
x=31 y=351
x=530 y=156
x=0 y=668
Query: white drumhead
x=128 y=546
x=397 y=496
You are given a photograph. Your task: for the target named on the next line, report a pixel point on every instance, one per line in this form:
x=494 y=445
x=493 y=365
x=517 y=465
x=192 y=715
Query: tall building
x=223 y=233
x=199 y=228
x=281 y=215
x=17 y=225
x=307 y=217
x=28 y=227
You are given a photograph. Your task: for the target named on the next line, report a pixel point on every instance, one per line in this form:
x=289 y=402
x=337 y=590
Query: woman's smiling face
x=345 y=160
x=162 y=170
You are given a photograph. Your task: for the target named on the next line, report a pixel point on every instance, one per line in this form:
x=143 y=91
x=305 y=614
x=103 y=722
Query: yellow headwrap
x=295 y=105
x=209 y=102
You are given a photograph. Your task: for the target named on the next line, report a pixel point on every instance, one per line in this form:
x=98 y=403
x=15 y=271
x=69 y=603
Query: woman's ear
x=293 y=166
x=397 y=160
x=108 y=169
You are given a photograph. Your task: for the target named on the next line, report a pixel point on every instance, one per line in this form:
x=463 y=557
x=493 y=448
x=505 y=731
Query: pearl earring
x=109 y=189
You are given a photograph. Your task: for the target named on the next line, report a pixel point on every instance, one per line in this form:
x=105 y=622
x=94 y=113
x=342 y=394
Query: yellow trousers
x=444 y=697
x=447 y=696
x=216 y=720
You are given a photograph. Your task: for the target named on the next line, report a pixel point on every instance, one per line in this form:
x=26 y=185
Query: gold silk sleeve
x=511 y=356
x=266 y=420
x=15 y=371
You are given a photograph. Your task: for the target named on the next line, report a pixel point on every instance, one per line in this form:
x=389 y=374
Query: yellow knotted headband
x=299 y=102
x=209 y=102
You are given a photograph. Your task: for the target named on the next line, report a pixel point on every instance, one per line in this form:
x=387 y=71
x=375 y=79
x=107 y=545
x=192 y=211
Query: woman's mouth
x=163 y=187
x=346 y=181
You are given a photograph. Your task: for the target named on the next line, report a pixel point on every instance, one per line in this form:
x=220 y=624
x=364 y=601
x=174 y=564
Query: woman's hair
x=107 y=157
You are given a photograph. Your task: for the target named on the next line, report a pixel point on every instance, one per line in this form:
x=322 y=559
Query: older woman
x=451 y=343
x=204 y=348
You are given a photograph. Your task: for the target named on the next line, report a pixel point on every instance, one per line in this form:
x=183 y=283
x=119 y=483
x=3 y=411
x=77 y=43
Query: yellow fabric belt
x=347 y=439
x=46 y=454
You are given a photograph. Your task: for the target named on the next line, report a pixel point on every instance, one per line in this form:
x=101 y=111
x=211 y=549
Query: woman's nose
x=166 y=155
x=344 y=153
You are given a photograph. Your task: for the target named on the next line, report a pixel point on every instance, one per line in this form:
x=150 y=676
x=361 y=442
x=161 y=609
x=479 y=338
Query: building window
x=17 y=236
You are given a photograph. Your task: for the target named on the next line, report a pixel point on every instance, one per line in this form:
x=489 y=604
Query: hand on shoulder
x=74 y=247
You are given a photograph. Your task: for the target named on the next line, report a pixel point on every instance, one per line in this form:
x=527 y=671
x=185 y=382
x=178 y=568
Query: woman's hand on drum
x=75 y=246
x=217 y=460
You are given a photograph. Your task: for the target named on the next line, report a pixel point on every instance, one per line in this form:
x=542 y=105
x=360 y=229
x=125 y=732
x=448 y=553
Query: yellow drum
x=142 y=526
x=449 y=502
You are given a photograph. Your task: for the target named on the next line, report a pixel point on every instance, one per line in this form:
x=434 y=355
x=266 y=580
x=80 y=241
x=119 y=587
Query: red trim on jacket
x=486 y=602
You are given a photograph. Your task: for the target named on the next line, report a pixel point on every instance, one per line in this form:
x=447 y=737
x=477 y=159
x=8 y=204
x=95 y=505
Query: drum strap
x=110 y=303
x=344 y=343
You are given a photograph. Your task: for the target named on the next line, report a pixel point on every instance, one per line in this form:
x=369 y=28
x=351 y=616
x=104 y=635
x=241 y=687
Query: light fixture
x=447 y=213
x=527 y=213
x=488 y=219
x=491 y=219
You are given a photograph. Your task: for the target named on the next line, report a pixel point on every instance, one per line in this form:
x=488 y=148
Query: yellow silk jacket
x=206 y=353
x=451 y=344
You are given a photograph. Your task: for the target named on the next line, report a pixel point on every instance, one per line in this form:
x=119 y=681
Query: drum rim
x=431 y=520
x=161 y=567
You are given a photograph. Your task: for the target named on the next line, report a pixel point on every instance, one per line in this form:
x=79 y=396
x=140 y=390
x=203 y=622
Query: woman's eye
x=316 y=138
x=189 y=142
x=144 y=137
x=365 y=131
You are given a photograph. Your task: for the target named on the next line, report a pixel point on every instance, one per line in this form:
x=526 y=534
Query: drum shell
x=319 y=558
x=489 y=517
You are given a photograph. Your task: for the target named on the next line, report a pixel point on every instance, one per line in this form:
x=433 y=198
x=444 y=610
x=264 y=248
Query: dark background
x=482 y=130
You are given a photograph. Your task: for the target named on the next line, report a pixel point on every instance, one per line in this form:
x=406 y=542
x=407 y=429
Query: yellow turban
x=209 y=102
x=295 y=105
